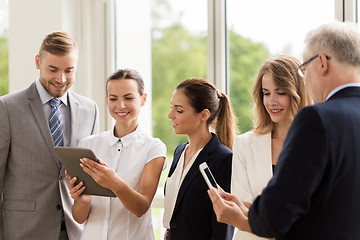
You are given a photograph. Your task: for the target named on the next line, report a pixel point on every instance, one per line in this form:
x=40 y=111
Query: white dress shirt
x=73 y=228
x=108 y=218
x=340 y=88
x=173 y=185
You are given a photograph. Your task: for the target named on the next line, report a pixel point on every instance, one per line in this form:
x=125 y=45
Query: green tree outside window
x=4 y=66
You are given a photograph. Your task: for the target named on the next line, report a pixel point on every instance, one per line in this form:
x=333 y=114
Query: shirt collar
x=126 y=140
x=45 y=96
x=340 y=88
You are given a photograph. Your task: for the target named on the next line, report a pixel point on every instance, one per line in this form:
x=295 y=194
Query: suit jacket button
x=173 y=225
x=58 y=207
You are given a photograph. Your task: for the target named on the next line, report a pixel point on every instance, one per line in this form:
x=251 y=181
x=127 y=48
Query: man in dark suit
x=34 y=197
x=315 y=191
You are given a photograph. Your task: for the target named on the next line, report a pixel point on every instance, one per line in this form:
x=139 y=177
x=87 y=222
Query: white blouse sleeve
x=158 y=149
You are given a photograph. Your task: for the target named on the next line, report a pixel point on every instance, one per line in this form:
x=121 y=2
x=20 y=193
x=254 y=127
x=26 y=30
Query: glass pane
x=260 y=29
x=179 y=32
x=4 y=49
x=357 y=11
x=179 y=35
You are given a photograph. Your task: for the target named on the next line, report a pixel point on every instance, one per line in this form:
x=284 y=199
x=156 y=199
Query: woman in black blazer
x=197 y=106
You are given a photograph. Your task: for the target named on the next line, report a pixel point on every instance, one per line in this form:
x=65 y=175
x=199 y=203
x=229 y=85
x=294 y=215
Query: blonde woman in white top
x=130 y=165
x=278 y=94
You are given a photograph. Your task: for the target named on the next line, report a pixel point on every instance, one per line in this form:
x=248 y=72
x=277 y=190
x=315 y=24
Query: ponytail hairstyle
x=202 y=94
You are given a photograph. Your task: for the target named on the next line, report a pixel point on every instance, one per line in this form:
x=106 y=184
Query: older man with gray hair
x=315 y=190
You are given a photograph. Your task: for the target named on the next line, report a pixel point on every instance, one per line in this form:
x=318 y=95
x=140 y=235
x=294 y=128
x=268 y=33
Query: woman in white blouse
x=278 y=94
x=130 y=164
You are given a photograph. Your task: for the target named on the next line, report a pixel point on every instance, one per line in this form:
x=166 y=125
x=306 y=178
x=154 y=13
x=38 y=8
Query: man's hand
x=230 y=210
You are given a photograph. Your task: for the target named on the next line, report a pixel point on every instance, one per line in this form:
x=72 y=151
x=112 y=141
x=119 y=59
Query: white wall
x=88 y=21
x=28 y=24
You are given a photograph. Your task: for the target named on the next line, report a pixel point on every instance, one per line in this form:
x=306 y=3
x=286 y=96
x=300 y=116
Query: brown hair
x=127 y=74
x=203 y=95
x=283 y=69
x=57 y=43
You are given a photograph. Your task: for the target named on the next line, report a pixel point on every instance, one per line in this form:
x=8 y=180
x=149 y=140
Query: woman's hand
x=81 y=207
x=137 y=202
x=76 y=191
x=100 y=172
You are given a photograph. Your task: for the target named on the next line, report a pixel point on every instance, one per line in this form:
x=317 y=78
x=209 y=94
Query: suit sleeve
x=240 y=185
x=4 y=150
x=300 y=168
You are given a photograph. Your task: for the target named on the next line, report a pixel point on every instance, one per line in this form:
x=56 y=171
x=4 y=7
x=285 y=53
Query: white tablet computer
x=70 y=158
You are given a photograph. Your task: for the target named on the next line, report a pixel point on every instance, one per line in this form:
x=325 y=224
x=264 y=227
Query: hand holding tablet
x=70 y=158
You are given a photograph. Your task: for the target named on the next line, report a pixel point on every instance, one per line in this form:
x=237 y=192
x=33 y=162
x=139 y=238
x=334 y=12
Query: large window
x=260 y=29
x=179 y=35
x=4 y=50
x=179 y=51
x=171 y=42
x=166 y=41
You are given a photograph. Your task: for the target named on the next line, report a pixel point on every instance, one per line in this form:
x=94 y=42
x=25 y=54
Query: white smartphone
x=209 y=178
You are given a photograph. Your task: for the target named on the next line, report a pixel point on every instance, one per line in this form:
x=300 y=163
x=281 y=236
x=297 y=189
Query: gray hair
x=340 y=40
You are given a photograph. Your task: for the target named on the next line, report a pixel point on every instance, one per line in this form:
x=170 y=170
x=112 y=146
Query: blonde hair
x=57 y=43
x=283 y=69
x=203 y=95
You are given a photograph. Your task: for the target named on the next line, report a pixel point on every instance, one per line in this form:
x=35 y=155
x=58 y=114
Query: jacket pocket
x=18 y=205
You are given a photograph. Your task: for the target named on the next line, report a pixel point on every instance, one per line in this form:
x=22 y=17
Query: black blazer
x=315 y=191
x=193 y=216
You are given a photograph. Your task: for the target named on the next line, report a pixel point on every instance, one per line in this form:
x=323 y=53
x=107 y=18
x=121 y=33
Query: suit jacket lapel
x=262 y=164
x=177 y=155
x=194 y=170
x=36 y=107
x=74 y=105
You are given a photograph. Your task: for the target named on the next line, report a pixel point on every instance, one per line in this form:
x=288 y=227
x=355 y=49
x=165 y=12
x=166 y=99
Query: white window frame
x=217 y=45
x=346 y=10
x=91 y=22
